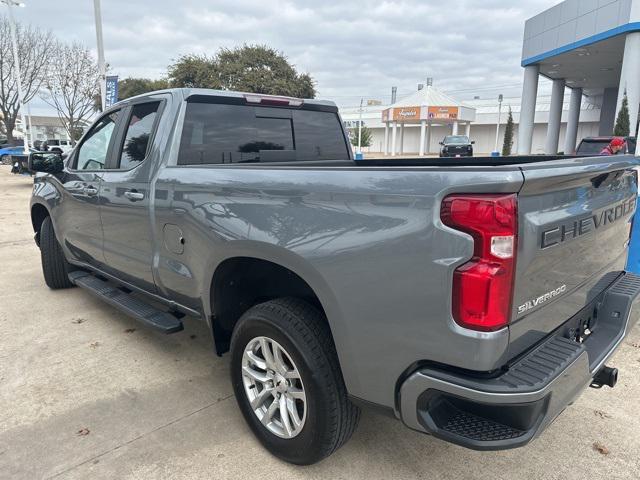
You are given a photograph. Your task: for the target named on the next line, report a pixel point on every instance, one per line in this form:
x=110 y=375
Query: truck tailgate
x=574 y=223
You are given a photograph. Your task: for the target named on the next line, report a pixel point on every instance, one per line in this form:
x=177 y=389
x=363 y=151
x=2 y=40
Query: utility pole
x=30 y=126
x=359 y=152
x=496 y=152
x=16 y=69
x=101 y=64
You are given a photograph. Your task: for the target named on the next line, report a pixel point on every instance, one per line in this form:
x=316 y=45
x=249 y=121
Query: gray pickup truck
x=473 y=299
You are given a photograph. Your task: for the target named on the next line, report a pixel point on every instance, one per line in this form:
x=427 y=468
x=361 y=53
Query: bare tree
x=33 y=50
x=71 y=83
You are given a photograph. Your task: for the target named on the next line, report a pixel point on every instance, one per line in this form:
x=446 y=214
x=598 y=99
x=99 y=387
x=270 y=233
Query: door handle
x=133 y=195
x=90 y=191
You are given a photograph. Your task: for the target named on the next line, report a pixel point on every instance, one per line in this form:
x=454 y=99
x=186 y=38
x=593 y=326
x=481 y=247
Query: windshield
x=456 y=139
x=592 y=147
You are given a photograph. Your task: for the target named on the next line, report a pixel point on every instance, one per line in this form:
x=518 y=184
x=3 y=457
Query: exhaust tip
x=605 y=376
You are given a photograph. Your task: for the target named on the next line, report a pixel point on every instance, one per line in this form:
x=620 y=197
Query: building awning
x=430 y=105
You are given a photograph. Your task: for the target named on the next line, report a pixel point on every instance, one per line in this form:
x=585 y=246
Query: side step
x=127 y=303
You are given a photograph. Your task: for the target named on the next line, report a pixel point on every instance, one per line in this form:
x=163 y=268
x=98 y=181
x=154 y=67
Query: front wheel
x=288 y=383
x=54 y=265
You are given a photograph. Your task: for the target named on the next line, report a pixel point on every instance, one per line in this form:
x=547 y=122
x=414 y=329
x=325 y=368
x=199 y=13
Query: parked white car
x=57 y=146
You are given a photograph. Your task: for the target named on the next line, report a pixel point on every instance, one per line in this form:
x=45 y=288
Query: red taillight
x=483 y=287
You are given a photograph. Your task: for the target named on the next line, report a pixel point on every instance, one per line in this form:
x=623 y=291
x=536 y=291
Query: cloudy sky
x=352 y=48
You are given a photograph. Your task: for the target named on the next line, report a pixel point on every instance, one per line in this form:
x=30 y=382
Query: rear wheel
x=54 y=265
x=288 y=383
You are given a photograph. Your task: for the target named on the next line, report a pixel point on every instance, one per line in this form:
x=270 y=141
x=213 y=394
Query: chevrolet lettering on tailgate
x=577 y=228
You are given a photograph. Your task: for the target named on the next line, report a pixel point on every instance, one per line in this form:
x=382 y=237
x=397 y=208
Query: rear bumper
x=509 y=410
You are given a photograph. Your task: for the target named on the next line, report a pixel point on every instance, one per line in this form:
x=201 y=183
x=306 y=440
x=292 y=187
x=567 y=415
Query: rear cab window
x=216 y=133
x=595 y=146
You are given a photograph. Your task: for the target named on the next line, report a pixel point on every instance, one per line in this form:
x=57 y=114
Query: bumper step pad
x=127 y=303
x=470 y=426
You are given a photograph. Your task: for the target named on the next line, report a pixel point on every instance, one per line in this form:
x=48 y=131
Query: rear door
x=574 y=225
x=124 y=197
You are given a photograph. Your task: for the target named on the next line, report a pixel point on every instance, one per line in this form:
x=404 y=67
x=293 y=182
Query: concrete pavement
x=86 y=392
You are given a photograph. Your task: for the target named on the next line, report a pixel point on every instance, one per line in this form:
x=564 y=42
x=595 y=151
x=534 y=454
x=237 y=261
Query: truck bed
x=458 y=161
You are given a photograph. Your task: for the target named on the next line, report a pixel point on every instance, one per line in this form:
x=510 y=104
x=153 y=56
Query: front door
x=124 y=198
x=78 y=223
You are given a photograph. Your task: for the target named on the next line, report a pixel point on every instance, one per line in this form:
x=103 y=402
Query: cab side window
x=139 y=130
x=92 y=154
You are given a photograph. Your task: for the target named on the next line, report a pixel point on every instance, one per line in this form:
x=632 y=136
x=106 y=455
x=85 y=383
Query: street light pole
x=495 y=149
x=101 y=63
x=360 y=129
x=16 y=69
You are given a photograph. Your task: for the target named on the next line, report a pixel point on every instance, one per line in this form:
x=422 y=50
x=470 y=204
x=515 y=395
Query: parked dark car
x=590 y=146
x=456 y=146
x=20 y=162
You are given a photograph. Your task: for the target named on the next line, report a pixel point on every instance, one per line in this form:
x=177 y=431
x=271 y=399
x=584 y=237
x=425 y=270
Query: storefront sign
x=404 y=114
x=448 y=113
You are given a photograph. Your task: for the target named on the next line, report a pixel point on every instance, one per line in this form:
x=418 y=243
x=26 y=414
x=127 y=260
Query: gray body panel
x=367 y=240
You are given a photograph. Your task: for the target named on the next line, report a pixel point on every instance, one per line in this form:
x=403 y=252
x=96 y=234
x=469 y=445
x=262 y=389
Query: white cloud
x=351 y=48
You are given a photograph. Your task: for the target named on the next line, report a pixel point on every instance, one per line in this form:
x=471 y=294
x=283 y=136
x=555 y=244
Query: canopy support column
x=394 y=132
x=386 y=138
x=573 y=121
x=423 y=124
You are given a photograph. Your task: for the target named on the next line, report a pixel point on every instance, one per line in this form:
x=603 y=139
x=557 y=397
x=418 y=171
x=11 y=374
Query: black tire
x=54 y=266
x=303 y=332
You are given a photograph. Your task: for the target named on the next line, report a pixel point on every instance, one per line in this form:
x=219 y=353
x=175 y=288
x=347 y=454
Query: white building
x=483 y=128
x=592 y=47
x=47 y=127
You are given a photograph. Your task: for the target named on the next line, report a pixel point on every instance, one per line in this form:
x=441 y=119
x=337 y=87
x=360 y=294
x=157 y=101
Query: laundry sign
x=449 y=113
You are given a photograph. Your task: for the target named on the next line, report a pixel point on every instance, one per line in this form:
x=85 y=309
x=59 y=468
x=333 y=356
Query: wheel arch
x=38 y=213
x=243 y=280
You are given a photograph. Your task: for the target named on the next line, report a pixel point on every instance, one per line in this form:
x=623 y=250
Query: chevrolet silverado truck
x=471 y=299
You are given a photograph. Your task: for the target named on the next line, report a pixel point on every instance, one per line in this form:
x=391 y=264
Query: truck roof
x=190 y=92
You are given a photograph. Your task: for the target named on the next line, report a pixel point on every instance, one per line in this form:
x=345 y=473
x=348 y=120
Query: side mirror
x=441 y=143
x=46 y=162
x=473 y=142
